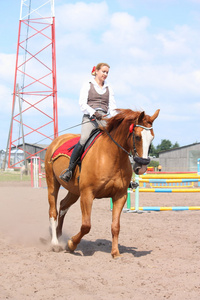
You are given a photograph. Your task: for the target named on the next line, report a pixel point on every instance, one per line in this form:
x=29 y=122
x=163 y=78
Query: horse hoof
x=116 y=256
x=70 y=246
x=57 y=248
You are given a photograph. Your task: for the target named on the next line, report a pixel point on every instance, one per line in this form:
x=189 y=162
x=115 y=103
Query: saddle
x=67 y=148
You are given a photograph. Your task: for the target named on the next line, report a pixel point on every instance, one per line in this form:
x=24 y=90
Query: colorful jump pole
x=170 y=176
x=137 y=208
x=169 y=190
x=166 y=208
x=170 y=180
x=167 y=178
x=198 y=169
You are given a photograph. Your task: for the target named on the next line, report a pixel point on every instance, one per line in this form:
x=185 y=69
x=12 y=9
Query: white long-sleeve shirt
x=85 y=108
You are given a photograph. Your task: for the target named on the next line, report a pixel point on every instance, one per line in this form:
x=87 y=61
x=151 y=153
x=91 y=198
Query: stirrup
x=66 y=176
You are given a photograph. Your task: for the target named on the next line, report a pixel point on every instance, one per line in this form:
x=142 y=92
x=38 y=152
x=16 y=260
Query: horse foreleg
x=115 y=227
x=86 y=208
x=65 y=204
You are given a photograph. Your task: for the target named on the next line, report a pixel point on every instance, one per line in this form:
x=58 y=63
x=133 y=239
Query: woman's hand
x=98 y=116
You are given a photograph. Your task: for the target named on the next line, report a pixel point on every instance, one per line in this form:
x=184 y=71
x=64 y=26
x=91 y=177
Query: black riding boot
x=73 y=161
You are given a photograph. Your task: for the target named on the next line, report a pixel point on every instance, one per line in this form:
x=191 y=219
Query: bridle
x=134 y=155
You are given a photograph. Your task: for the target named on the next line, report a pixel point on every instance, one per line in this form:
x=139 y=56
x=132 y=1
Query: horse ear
x=141 y=117
x=155 y=115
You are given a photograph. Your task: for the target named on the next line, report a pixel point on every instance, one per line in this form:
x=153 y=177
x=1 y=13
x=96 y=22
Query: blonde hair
x=98 y=67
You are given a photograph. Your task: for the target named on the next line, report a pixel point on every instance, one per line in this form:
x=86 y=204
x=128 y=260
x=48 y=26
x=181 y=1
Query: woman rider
x=96 y=100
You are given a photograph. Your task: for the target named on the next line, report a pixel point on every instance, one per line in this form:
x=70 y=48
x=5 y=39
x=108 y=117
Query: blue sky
x=152 y=46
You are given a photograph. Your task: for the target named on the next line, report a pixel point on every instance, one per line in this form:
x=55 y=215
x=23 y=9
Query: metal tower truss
x=34 y=107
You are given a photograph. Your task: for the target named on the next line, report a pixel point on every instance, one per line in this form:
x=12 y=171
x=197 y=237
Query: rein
x=117 y=143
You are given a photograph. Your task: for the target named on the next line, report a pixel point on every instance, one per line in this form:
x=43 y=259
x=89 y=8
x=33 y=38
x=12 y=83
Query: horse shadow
x=89 y=248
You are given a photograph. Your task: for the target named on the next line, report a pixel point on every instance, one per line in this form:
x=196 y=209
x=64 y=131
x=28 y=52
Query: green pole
x=111 y=204
x=129 y=199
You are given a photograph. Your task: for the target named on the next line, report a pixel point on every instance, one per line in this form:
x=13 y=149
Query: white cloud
x=159 y=77
x=143 y=72
x=125 y=31
x=178 y=41
x=5 y=98
x=7 y=66
x=81 y=16
x=150 y=68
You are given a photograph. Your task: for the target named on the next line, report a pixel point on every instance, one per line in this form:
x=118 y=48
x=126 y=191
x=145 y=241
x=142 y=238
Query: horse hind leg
x=65 y=204
x=53 y=188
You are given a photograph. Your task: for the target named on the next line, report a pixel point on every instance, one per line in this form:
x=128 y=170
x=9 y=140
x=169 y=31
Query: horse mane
x=118 y=125
x=122 y=119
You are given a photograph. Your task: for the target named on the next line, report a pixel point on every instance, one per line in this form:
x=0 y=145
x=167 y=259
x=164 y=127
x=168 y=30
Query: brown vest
x=96 y=100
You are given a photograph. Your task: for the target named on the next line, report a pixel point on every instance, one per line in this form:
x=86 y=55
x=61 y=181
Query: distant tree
x=153 y=163
x=153 y=151
x=176 y=145
x=163 y=146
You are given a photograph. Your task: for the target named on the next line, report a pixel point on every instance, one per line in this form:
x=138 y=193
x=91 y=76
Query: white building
x=17 y=155
x=182 y=159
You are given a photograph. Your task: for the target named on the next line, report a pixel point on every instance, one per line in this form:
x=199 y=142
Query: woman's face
x=102 y=73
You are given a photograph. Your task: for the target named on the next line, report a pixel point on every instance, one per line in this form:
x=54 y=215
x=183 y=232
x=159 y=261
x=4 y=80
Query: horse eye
x=138 y=138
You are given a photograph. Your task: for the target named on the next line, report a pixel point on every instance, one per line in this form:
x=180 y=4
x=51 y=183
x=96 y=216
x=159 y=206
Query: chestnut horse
x=105 y=172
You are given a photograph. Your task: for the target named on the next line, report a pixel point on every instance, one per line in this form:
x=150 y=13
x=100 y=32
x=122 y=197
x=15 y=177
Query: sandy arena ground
x=161 y=250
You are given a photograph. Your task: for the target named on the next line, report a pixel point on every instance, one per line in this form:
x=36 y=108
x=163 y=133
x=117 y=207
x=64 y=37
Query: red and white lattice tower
x=34 y=106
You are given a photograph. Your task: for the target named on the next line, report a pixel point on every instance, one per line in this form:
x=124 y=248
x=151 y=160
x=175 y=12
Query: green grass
x=13 y=176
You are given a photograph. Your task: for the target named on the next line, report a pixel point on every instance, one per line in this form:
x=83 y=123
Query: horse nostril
x=137 y=169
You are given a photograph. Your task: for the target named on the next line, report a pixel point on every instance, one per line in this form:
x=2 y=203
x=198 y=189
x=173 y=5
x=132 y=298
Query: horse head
x=132 y=131
x=142 y=133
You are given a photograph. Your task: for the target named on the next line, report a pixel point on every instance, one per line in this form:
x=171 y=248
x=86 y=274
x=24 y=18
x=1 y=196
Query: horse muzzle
x=140 y=165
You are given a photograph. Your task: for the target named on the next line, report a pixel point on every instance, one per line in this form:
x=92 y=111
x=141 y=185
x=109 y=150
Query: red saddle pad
x=66 y=148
